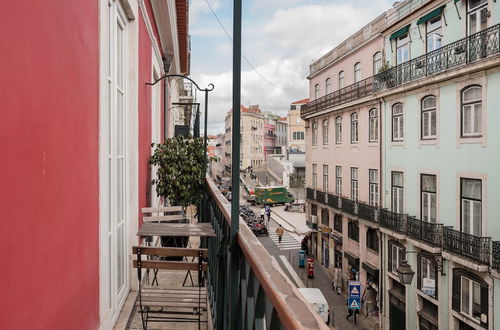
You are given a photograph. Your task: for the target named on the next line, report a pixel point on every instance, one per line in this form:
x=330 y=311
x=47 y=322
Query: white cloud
x=224 y=49
x=198 y=7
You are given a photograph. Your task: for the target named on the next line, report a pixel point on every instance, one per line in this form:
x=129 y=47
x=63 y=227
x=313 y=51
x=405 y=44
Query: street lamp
x=405 y=273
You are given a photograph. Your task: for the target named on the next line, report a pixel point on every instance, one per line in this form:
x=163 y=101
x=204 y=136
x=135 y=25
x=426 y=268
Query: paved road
x=288 y=241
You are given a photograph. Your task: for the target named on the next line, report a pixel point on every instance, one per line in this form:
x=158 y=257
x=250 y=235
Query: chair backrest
x=169 y=252
x=168 y=209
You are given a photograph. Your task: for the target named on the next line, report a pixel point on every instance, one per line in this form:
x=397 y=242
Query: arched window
x=377 y=62
x=316 y=91
x=325 y=131
x=373 y=125
x=354 y=128
x=338 y=130
x=397 y=122
x=328 y=86
x=341 y=79
x=357 y=72
x=428 y=118
x=471 y=111
x=314 y=133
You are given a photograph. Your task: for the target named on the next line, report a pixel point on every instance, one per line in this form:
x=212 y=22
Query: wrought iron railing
x=309 y=193
x=392 y=220
x=265 y=297
x=348 y=206
x=467 y=50
x=427 y=232
x=347 y=94
x=320 y=197
x=495 y=255
x=333 y=201
x=467 y=245
x=367 y=212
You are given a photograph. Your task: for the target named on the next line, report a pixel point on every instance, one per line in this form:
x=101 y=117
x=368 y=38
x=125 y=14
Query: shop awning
x=351 y=258
x=371 y=270
x=400 y=32
x=435 y=13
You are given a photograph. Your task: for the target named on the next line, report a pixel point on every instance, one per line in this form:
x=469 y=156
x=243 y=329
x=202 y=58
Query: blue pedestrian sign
x=354 y=302
x=354 y=289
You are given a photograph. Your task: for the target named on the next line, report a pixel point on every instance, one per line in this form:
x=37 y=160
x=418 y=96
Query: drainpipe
x=382 y=193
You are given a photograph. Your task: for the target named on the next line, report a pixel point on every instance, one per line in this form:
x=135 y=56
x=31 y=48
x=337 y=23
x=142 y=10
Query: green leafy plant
x=384 y=67
x=180 y=175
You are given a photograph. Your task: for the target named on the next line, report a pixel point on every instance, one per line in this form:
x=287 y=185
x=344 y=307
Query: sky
x=280 y=39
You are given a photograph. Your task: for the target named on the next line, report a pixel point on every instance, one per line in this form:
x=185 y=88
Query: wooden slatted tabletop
x=176 y=229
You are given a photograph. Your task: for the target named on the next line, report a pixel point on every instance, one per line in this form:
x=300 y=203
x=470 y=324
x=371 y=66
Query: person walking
x=262 y=213
x=280 y=231
x=268 y=212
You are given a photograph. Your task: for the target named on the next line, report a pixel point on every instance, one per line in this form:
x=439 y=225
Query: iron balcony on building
x=333 y=201
x=495 y=258
x=473 y=48
x=310 y=193
x=424 y=231
x=393 y=221
x=347 y=94
x=367 y=212
x=466 y=245
x=348 y=206
x=320 y=197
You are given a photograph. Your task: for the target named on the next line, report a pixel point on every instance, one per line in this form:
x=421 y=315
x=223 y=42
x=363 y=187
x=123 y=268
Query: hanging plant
x=180 y=176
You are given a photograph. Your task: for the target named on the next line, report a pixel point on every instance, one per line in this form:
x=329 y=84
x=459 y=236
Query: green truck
x=272 y=195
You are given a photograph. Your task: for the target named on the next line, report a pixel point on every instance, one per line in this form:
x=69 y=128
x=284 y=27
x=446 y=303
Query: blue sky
x=280 y=39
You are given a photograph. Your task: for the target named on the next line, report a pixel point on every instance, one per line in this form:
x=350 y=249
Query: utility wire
x=242 y=55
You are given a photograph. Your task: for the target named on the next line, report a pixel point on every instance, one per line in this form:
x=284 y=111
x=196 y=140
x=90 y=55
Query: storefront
x=337 y=248
x=352 y=264
x=325 y=246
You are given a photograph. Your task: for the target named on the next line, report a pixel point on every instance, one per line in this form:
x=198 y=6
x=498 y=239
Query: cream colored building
x=296 y=127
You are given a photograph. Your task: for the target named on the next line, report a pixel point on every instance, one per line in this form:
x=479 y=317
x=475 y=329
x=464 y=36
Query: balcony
x=473 y=247
x=495 y=260
x=333 y=201
x=468 y=50
x=320 y=197
x=348 y=206
x=257 y=285
x=393 y=221
x=310 y=193
x=424 y=231
x=347 y=94
x=367 y=212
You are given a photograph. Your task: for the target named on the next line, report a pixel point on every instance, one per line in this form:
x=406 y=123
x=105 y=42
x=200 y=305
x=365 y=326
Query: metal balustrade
x=265 y=297
x=309 y=193
x=348 y=206
x=333 y=201
x=367 y=212
x=392 y=220
x=320 y=197
x=464 y=51
x=427 y=232
x=495 y=255
x=467 y=245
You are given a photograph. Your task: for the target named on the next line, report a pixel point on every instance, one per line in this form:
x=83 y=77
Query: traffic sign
x=354 y=289
x=354 y=303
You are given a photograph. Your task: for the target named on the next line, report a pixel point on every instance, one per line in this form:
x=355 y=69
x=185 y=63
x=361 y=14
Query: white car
x=317 y=300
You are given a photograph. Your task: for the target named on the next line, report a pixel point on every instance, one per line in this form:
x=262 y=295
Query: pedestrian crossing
x=288 y=242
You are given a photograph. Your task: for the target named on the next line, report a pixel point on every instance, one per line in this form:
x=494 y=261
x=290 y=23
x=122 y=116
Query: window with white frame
x=397 y=122
x=316 y=91
x=315 y=133
x=471 y=202
x=402 y=49
x=357 y=72
x=397 y=191
x=341 y=79
x=470 y=296
x=472 y=111
x=338 y=130
x=354 y=183
x=325 y=178
x=338 y=180
x=428 y=197
x=428 y=118
x=396 y=255
x=314 y=176
x=377 y=62
x=373 y=125
x=373 y=187
x=354 y=128
x=328 y=86
x=434 y=33
x=325 y=131
x=477 y=15
x=427 y=282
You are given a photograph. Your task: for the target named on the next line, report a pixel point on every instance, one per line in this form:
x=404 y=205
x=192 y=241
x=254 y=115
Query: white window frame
x=474 y=105
x=341 y=79
x=315 y=176
x=354 y=128
x=397 y=123
x=471 y=284
x=397 y=194
x=314 y=133
x=377 y=62
x=475 y=14
x=373 y=125
x=338 y=180
x=397 y=255
x=428 y=197
x=402 y=49
x=325 y=131
x=316 y=91
x=471 y=204
x=373 y=187
x=338 y=130
x=328 y=86
x=357 y=72
x=354 y=183
x=434 y=34
x=426 y=117
x=325 y=178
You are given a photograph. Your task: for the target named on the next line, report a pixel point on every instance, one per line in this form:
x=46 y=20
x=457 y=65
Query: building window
x=471 y=202
x=477 y=15
x=315 y=175
x=357 y=72
x=353 y=230
x=402 y=49
x=338 y=180
x=377 y=62
x=337 y=223
x=316 y=91
x=428 y=312
x=372 y=239
x=325 y=178
x=328 y=86
x=373 y=188
x=314 y=133
x=341 y=79
x=325 y=221
x=325 y=131
x=373 y=125
x=354 y=183
x=338 y=130
x=397 y=122
x=298 y=135
x=434 y=33
x=354 y=128
x=470 y=295
x=427 y=276
x=428 y=197
x=428 y=118
x=471 y=111
x=397 y=192
x=396 y=254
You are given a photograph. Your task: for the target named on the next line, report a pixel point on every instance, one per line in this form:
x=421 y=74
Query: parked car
x=317 y=300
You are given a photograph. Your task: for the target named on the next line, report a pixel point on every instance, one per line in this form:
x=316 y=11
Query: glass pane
x=429 y=183
x=397 y=109
x=395 y=128
x=466 y=216
x=467 y=118
x=120 y=196
x=119 y=55
x=465 y=296
x=425 y=124
x=119 y=123
x=476 y=300
x=429 y=102
x=476 y=218
x=472 y=94
x=120 y=268
x=477 y=118
x=425 y=206
x=471 y=188
x=433 y=208
x=397 y=179
x=433 y=123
